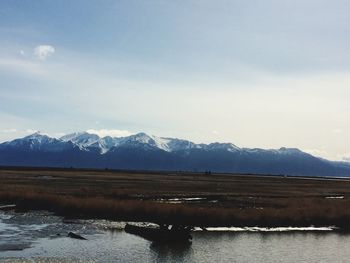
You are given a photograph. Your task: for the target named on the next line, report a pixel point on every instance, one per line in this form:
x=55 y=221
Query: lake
x=42 y=237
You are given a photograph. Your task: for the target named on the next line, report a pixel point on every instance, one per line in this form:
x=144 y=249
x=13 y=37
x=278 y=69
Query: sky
x=255 y=73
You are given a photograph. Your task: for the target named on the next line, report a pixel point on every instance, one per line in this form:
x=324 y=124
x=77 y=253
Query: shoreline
x=239 y=227
x=120 y=225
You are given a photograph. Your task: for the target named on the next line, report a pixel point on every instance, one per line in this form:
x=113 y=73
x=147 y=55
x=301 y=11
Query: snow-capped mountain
x=149 y=152
x=87 y=141
x=81 y=139
x=37 y=142
x=222 y=146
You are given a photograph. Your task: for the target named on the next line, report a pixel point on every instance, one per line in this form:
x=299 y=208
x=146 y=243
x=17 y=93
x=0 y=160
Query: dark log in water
x=161 y=234
x=75 y=236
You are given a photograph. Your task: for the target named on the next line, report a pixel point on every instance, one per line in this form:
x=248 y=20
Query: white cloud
x=30 y=131
x=113 y=133
x=42 y=52
x=8 y=131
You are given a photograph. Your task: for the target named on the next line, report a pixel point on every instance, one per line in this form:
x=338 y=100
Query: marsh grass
x=239 y=200
x=300 y=212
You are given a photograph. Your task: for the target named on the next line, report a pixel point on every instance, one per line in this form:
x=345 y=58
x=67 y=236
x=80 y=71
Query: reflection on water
x=40 y=237
x=171 y=252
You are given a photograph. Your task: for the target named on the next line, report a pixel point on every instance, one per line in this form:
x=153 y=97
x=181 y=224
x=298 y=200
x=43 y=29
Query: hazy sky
x=256 y=73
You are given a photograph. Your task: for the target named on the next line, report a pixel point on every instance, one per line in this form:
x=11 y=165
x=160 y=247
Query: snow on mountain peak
x=35 y=135
x=92 y=142
x=89 y=141
x=38 y=137
x=38 y=141
x=142 y=151
x=79 y=136
x=145 y=140
x=223 y=146
x=82 y=139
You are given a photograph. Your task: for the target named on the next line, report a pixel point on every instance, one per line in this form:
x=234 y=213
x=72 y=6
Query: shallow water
x=41 y=237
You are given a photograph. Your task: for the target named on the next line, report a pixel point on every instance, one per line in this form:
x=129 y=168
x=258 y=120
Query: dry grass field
x=182 y=198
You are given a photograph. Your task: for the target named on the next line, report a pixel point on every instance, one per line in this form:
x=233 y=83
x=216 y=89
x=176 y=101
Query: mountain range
x=148 y=152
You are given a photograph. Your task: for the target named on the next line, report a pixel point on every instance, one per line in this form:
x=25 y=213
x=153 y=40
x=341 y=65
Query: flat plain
x=196 y=199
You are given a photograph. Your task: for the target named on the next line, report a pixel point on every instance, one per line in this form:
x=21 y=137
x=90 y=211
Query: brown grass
x=241 y=200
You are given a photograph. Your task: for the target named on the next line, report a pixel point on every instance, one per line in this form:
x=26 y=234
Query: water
x=41 y=237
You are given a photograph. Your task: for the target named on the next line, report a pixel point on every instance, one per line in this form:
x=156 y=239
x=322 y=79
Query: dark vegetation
x=227 y=200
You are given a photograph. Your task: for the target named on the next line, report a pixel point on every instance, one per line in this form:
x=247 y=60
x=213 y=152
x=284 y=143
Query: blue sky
x=255 y=73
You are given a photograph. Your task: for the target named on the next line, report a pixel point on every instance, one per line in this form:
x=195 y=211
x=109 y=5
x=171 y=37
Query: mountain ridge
x=149 y=152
